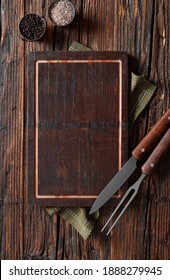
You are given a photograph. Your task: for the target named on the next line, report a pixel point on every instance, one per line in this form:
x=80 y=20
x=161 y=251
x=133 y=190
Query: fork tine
x=123 y=210
x=135 y=188
x=117 y=207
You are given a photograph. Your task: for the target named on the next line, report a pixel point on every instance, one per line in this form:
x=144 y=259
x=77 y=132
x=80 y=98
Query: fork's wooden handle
x=160 y=150
x=153 y=136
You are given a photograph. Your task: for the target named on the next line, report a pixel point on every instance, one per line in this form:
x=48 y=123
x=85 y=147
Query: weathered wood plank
x=12 y=136
x=37 y=222
x=157 y=237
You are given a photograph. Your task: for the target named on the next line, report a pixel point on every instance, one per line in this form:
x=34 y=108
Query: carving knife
x=147 y=143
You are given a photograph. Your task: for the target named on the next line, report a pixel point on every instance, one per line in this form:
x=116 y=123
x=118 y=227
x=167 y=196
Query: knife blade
x=147 y=143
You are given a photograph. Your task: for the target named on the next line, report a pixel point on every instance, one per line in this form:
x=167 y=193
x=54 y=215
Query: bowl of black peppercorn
x=32 y=27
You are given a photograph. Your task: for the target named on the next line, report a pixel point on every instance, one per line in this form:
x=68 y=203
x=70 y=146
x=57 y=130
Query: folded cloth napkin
x=139 y=96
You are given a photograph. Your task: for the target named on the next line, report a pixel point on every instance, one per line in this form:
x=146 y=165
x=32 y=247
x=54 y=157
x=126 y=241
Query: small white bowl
x=61 y=12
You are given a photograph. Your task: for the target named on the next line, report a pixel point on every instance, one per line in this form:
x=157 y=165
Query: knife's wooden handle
x=160 y=150
x=153 y=136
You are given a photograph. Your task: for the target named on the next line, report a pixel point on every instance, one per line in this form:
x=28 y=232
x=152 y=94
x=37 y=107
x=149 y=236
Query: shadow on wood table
x=141 y=28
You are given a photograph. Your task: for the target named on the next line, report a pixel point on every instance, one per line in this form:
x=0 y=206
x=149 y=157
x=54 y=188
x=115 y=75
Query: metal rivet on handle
x=142 y=150
x=169 y=118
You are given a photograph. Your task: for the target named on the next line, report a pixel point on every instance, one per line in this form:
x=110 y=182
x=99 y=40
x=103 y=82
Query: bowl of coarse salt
x=61 y=12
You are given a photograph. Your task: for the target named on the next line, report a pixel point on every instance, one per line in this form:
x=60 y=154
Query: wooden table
x=142 y=29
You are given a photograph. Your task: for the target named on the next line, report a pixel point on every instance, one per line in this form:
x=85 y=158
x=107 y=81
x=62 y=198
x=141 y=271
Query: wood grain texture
x=142 y=29
x=75 y=128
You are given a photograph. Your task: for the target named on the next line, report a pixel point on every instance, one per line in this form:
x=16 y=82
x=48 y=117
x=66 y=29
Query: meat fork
x=147 y=169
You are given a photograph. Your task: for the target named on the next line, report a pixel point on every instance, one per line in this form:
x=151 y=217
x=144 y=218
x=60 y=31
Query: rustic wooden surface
x=142 y=28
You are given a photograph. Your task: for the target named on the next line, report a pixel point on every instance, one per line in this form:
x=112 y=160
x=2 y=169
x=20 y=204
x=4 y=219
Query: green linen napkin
x=141 y=92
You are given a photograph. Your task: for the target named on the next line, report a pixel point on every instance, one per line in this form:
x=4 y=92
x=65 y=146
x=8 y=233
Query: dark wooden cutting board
x=77 y=115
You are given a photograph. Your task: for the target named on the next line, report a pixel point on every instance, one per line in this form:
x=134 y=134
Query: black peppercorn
x=32 y=27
